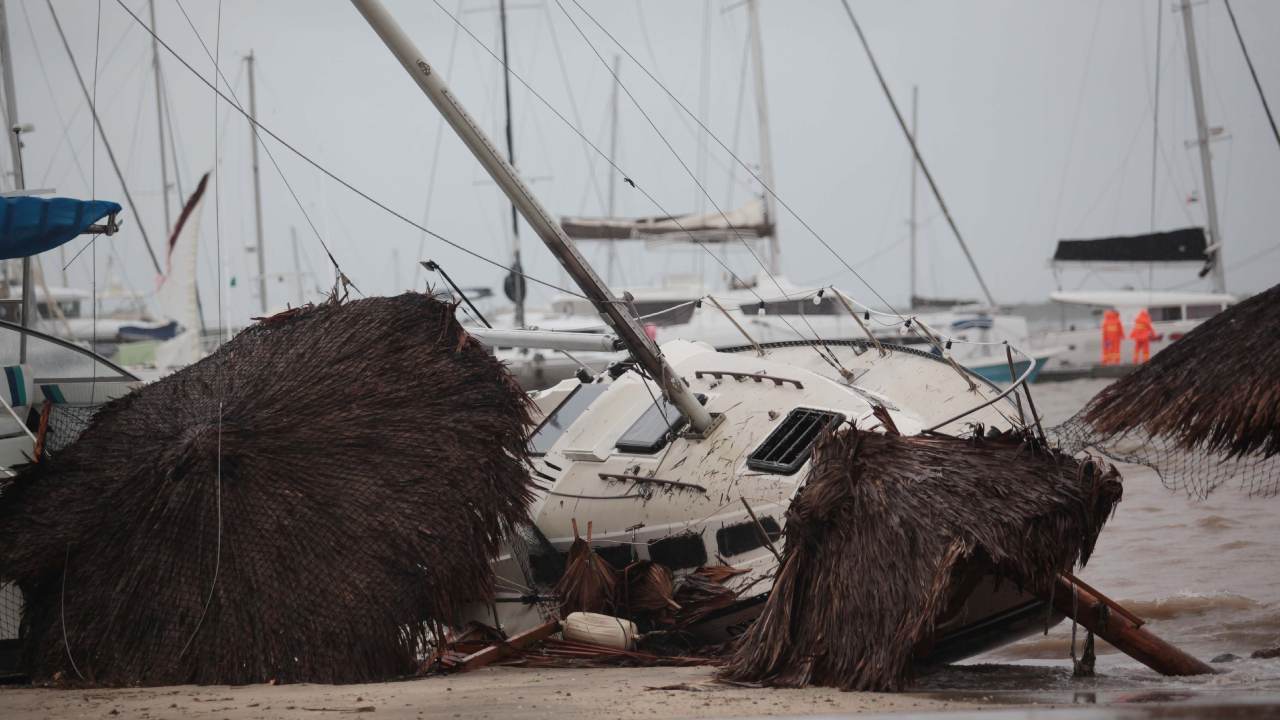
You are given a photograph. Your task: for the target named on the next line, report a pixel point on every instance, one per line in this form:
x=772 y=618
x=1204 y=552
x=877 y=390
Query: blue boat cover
x=32 y=225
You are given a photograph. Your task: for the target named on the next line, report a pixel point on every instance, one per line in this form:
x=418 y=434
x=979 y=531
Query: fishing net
x=890 y=534
x=299 y=506
x=1204 y=412
x=1197 y=472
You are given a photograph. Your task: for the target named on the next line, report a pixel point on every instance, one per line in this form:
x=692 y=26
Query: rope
x=1252 y=72
x=750 y=171
x=329 y=173
x=512 y=73
x=915 y=150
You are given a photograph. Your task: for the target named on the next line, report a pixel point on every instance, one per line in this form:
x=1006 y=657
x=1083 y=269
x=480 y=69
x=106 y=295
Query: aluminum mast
x=762 y=121
x=257 y=187
x=518 y=287
x=609 y=306
x=1206 y=161
x=164 y=165
x=19 y=181
x=915 y=166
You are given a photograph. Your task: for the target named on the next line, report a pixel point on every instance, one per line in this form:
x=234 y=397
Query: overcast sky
x=1035 y=118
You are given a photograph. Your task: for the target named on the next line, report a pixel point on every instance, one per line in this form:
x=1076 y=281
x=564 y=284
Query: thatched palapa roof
x=1216 y=390
x=889 y=531
x=292 y=508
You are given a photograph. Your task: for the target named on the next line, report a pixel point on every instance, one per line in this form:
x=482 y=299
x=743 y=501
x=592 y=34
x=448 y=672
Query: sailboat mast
x=1217 y=271
x=297 y=264
x=19 y=180
x=517 y=281
x=164 y=162
x=762 y=121
x=609 y=306
x=911 y=224
x=611 y=211
x=257 y=186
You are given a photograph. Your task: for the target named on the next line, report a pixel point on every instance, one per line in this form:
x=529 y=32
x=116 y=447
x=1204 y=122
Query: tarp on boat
x=748 y=222
x=1184 y=245
x=32 y=225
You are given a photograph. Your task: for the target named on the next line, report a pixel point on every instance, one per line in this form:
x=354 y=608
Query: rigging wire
x=573 y=103
x=1252 y=72
x=57 y=111
x=1075 y=118
x=741 y=163
x=1155 y=112
x=217 y=226
x=93 y=114
x=612 y=163
x=827 y=356
x=257 y=139
x=915 y=150
x=329 y=173
x=434 y=163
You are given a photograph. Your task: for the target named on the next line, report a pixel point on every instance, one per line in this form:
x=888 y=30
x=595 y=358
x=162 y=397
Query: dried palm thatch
x=887 y=534
x=589 y=583
x=646 y=591
x=291 y=508
x=1216 y=390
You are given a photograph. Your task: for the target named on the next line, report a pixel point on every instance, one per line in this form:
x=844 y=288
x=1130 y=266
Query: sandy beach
x=502 y=693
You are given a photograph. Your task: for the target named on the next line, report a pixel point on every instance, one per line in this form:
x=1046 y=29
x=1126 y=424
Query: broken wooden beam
x=510 y=646
x=1112 y=623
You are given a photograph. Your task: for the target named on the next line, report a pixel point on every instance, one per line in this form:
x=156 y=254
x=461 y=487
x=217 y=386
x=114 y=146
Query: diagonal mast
x=608 y=305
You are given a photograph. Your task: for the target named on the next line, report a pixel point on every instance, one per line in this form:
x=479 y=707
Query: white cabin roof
x=1139 y=298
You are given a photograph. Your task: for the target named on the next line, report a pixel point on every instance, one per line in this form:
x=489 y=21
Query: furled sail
x=32 y=225
x=748 y=222
x=1174 y=246
x=177 y=295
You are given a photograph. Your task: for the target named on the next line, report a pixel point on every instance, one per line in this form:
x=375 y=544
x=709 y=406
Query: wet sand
x=493 y=693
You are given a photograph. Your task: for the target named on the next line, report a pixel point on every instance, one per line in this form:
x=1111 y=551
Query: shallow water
x=1205 y=574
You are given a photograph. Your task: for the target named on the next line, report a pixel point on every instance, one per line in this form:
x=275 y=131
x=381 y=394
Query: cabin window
x=825 y=306
x=745 y=537
x=790 y=444
x=679 y=552
x=1166 y=314
x=681 y=312
x=619 y=556
x=563 y=416
x=655 y=428
x=1200 y=312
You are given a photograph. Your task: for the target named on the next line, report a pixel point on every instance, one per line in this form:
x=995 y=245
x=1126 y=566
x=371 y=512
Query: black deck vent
x=789 y=445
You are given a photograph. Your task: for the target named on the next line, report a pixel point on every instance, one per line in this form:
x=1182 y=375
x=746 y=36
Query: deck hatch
x=789 y=445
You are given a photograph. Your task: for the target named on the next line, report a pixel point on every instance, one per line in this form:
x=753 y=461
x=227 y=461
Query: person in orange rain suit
x=1142 y=334
x=1112 y=336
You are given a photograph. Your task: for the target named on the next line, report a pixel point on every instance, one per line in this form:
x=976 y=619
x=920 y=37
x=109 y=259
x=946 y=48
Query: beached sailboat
x=686 y=455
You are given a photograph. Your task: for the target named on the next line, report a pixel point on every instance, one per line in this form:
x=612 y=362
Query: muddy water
x=1205 y=574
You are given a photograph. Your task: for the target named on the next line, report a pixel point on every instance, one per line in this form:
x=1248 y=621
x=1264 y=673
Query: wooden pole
x=1117 y=626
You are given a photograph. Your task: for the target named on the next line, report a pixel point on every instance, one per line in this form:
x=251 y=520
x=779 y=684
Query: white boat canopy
x=1139 y=298
x=748 y=221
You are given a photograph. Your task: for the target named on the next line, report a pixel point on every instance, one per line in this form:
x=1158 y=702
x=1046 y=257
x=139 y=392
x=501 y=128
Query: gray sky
x=1035 y=117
